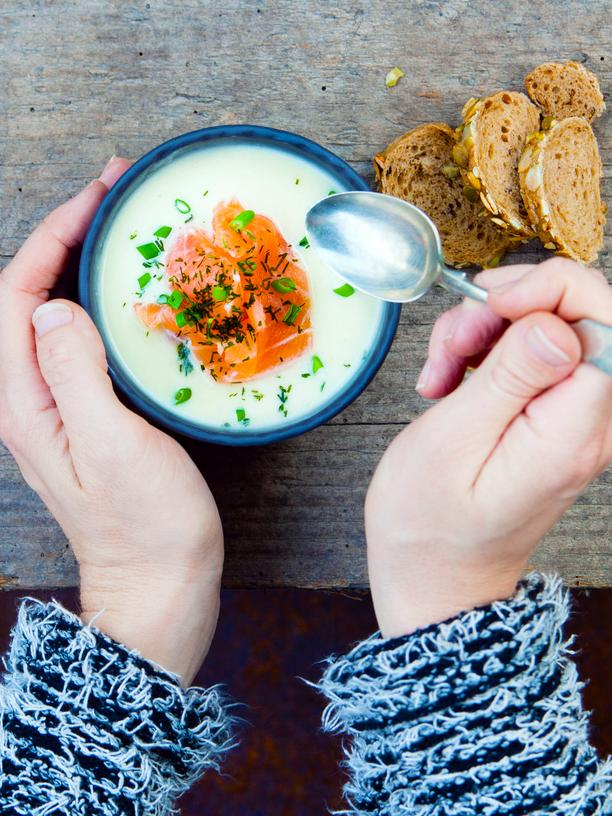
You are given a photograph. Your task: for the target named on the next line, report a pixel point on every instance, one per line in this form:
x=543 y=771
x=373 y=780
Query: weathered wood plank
x=84 y=82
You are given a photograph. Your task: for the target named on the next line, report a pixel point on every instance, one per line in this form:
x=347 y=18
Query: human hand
x=140 y=518
x=463 y=495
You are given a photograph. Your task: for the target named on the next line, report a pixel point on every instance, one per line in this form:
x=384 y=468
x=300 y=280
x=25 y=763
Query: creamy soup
x=213 y=300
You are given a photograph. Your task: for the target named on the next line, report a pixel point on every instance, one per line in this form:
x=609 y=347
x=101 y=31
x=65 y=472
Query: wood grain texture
x=83 y=81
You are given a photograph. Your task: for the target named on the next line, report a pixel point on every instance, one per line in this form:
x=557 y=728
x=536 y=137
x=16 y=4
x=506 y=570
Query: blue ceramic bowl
x=281 y=140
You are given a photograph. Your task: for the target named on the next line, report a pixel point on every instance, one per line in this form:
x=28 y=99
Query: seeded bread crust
x=418 y=168
x=560 y=173
x=490 y=142
x=565 y=89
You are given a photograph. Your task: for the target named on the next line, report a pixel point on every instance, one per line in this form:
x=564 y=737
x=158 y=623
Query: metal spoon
x=391 y=250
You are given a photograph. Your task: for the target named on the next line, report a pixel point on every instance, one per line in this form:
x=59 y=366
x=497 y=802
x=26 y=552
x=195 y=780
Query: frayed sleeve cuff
x=90 y=726
x=480 y=714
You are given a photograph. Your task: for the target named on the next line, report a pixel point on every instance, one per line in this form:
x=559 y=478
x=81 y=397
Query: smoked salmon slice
x=239 y=296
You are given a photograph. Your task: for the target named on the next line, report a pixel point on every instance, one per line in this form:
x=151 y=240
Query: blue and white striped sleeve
x=89 y=727
x=481 y=714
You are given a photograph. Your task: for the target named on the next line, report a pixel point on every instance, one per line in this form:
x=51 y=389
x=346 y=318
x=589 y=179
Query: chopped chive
x=317 y=363
x=292 y=312
x=347 y=365
x=250 y=234
x=332 y=192
x=225 y=424
x=133 y=235
x=182 y=395
x=241 y=416
x=297 y=181
x=242 y=219
x=322 y=386
x=284 y=285
x=257 y=394
x=181 y=320
x=175 y=299
x=189 y=218
x=219 y=293
x=163 y=232
x=305 y=376
x=182 y=206
x=346 y=290
x=148 y=251
x=205 y=193
x=209 y=323
x=304 y=243
x=144 y=279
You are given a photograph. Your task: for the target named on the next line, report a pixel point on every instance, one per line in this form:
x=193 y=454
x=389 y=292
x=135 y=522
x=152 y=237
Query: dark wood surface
x=83 y=81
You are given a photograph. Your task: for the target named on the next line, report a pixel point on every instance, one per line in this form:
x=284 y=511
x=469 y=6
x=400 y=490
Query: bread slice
x=419 y=168
x=565 y=89
x=491 y=140
x=560 y=173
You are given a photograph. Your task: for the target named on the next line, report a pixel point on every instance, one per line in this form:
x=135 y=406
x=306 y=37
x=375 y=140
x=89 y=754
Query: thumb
x=72 y=362
x=534 y=354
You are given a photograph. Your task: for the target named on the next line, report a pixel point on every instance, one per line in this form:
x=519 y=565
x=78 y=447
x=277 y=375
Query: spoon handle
x=458 y=282
x=596 y=338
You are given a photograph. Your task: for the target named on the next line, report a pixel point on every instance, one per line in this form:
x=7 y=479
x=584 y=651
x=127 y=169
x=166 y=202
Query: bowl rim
x=163 y=417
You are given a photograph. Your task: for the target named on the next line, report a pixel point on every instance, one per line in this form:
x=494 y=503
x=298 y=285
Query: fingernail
x=109 y=175
x=51 y=316
x=543 y=347
x=423 y=376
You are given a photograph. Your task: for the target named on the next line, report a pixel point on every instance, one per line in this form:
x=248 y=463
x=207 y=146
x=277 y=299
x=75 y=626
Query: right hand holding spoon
x=463 y=495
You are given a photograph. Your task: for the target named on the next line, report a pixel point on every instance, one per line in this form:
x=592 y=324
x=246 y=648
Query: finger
x=26 y=405
x=459 y=336
x=562 y=440
x=534 y=354
x=558 y=285
x=40 y=261
x=73 y=365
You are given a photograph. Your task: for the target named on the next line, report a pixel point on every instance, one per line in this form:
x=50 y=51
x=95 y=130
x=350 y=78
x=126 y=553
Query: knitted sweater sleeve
x=481 y=714
x=89 y=727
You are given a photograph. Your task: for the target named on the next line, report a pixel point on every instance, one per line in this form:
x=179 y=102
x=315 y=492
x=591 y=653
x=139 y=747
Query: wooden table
x=83 y=81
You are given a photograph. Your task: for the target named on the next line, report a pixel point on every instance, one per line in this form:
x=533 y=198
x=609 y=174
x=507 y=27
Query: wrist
x=416 y=597
x=169 y=620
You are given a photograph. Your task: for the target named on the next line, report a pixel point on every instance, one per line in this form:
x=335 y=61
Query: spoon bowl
x=383 y=246
x=391 y=250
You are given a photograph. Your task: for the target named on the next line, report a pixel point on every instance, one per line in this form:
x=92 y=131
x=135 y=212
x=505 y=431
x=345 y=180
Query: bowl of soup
x=219 y=321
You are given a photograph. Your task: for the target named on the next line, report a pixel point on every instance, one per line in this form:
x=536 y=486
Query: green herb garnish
x=297 y=181
x=241 y=416
x=181 y=320
x=144 y=279
x=291 y=314
x=242 y=219
x=257 y=394
x=283 y=396
x=332 y=192
x=184 y=355
x=182 y=206
x=133 y=235
x=284 y=285
x=182 y=395
x=163 y=232
x=346 y=290
x=205 y=193
x=317 y=363
x=148 y=251
x=220 y=293
x=304 y=243
x=175 y=299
